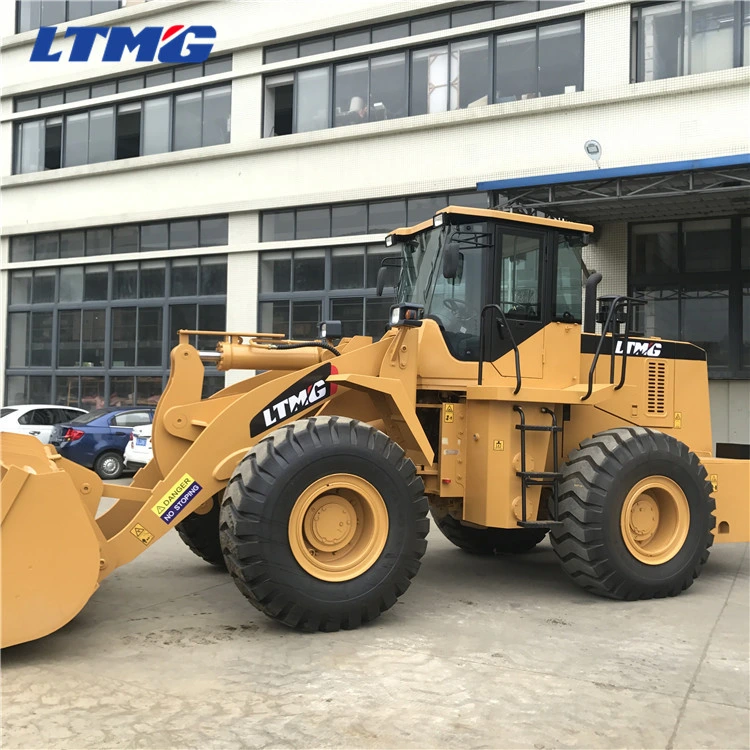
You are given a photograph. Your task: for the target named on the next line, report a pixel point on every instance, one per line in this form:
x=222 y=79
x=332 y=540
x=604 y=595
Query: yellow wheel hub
x=655 y=520
x=338 y=527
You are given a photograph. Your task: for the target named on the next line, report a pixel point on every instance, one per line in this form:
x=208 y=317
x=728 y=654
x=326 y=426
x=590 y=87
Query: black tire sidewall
x=656 y=463
x=281 y=564
x=100 y=460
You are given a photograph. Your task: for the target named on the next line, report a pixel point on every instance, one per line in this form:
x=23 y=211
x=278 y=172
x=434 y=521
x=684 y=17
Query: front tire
x=637 y=515
x=323 y=524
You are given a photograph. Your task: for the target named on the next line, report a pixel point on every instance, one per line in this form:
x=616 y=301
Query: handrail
x=617 y=303
x=516 y=353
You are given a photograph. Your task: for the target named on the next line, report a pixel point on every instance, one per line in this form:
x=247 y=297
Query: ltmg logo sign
x=175 y=44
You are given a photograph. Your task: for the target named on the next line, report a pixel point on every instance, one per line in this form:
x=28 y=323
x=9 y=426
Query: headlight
x=438 y=220
x=406 y=315
x=389 y=241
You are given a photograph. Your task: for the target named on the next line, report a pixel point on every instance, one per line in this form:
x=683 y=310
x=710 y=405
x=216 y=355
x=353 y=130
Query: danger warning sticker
x=177 y=499
x=142 y=534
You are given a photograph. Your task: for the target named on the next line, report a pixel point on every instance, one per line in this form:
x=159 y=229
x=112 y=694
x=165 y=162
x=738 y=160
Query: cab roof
x=491 y=213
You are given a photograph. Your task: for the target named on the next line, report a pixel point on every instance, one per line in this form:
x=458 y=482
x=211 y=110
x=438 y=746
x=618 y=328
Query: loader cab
x=464 y=259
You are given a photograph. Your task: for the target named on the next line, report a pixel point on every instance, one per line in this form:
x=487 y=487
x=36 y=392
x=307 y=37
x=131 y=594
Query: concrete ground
x=480 y=653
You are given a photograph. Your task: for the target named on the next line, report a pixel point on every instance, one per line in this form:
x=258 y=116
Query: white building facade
x=253 y=191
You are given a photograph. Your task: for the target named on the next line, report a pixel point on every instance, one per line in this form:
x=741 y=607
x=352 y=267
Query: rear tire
x=109 y=465
x=637 y=515
x=323 y=524
x=486 y=541
x=200 y=532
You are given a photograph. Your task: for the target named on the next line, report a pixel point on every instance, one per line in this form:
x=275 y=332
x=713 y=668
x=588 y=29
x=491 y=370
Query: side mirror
x=380 y=284
x=451 y=258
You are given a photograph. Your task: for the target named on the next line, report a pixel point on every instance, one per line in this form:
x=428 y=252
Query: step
x=538 y=428
x=540 y=524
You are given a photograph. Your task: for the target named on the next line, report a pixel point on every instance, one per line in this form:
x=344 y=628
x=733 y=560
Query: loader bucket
x=49 y=547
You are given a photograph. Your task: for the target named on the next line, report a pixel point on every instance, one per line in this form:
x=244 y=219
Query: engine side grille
x=656 y=389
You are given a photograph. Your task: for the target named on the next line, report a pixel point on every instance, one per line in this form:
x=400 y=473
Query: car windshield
x=419 y=259
x=4 y=412
x=90 y=416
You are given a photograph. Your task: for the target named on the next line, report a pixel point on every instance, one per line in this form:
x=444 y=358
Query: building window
x=681 y=38
x=31 y=14
x=468 y=14
x=543 y=60
x=371 y=217
x=125 y=131
x=294 y=295
x=101 y=334
x=206 y=231
x=695 y=276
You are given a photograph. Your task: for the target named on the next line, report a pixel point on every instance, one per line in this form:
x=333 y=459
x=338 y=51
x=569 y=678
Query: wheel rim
x=338 y=527
x=655 y=520
x=109 y=466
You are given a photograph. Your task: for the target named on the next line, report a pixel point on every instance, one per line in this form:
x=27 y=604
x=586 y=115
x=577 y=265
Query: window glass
x=103 y=89
x=274 y=317
x=44 y=286
x=95 y=280
x=711 y=35
x=217 y=104
x=519 y=284
x=47 y=246
x=15 y=388
x=515 y=66
x=391 y=31
x=186 y=72
x=67 y=391
x=40 y=389
x=154 y=237
x=211 y=317
x=101 y=135
x=280 y=53
x=76 y=139
x=125 y=281
x=79 y=94
x=561 y=58
x=347 y=268
x=68 y=339
x=705 y=322
x=430 y=23
x=515 y=8
x=470 y=200
x=470 y=73
x=26 y=103
x=148 y=390
x=654 y=248
x=313 y=222
x=214 y=231
x=352 y=39
x=72 y=244
x=660 y=316
x=181 y=317
x=707 y=245
x=568 y=305
x=184 y=277
x=349 y=219
x=313 y=104
x=183 y=233
x=350 y=311
x=351 y=93
x=471 y=15
x=53 y=143
x=22 y=248
x=275 y=272
x=217 y=65
x=305 y=319
x=213 y=275
x=745 y=243
x=660 y=41
x=420 y=209
x=121 y=391
x=92 y=338
x=132 y=419
x=388 y=87
x=71 y=284
x=128 y=131
x=40 y=354
x=123 y=339
x=159 y=78
x=309 y=270
x=130 y=83
x=156 y=126
x=746 y=326
x=18 y=339
x=98 y=241
x=429 y=81
x=125 y=239
x=51 y=99
x=149 y=337
x=32 y=145
x=277 y=225
x=29 y=16
x=746 y=37
x=188 y=117
x=20 y=287
x=384 y=216
x=152 y=279
x=375 y=256
x=92 y=392
x=315 y=46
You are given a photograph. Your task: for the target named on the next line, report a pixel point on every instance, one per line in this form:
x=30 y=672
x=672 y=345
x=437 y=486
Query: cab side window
x=568 y=305
x=520 y=256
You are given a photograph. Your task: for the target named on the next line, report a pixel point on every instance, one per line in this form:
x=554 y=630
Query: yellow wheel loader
x=498 y=400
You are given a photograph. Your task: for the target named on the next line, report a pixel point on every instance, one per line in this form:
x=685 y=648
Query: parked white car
x=138 y=451
x=36 y=419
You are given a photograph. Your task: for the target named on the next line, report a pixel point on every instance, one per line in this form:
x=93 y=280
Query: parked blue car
x=97 y=440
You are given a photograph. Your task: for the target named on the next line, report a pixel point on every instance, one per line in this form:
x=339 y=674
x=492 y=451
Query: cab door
x=519 y=278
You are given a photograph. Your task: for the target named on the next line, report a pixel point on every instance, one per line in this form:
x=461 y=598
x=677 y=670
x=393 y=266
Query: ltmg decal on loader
x=177 y=499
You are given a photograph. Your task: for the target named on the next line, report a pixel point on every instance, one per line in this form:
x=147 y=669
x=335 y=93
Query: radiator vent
x=656 y=389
